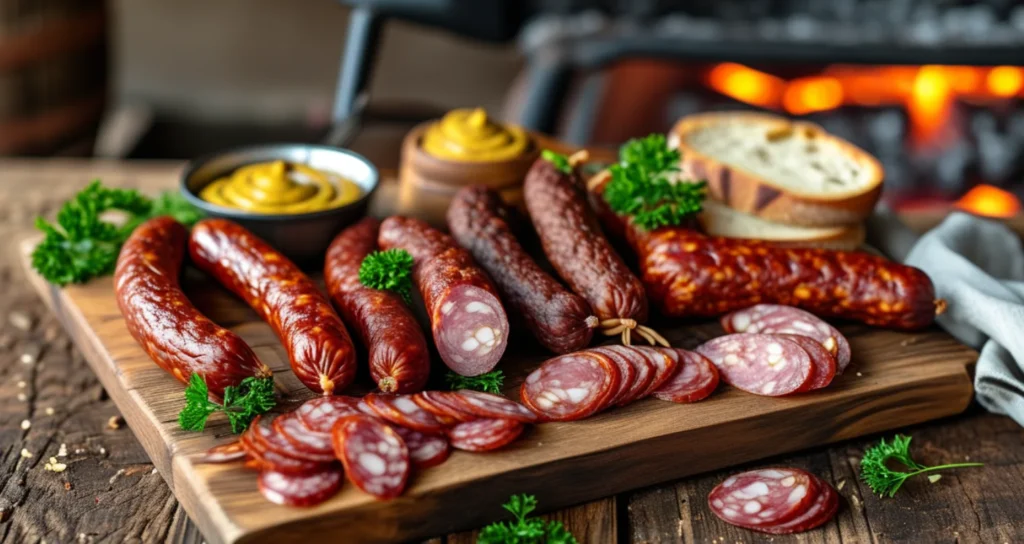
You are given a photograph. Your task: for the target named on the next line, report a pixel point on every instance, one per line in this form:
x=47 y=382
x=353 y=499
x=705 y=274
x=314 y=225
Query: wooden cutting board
x=895 y=380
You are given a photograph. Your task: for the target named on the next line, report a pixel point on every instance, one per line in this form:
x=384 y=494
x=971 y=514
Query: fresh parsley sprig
x=81 y=245
x=642 y=185
x=489 y=382
x=874 y=469
x=560 y=161
x=523 y=529
x=241 y=403
x=388 y=270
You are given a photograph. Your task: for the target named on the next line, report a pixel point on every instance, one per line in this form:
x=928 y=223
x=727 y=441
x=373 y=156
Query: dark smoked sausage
x=689 y=274
x=560 y=320
x=578 y=250
x=397 y=350
x=319 y=347
x=467 y=319
x=180 y=339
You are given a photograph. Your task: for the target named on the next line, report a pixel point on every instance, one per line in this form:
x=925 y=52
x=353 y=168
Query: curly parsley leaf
x=524 y=529
x=489 y=382
x=241 y=403
x=388 y=270
x=875 y=471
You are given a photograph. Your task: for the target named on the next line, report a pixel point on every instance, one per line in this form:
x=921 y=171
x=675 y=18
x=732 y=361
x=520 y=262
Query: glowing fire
x=989 y=201
x=927 y=92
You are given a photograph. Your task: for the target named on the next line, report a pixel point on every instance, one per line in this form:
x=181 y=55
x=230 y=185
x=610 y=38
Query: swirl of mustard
x=470 y=136
x=280 y=187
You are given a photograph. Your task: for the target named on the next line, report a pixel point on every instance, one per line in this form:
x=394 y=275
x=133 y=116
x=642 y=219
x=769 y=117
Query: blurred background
x=934 y=88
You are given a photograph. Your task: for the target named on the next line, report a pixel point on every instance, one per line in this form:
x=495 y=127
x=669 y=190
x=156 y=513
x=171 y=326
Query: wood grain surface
x=112 y=494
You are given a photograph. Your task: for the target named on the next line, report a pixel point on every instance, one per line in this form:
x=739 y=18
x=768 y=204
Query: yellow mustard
x=280 y=187
x=470 y=136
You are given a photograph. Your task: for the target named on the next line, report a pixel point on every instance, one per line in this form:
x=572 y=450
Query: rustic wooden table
x=50 y=403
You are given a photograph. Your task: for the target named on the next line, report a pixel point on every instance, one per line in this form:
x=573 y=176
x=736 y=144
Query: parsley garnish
x=641 y=185
x=81 y=246
x=489 y=382
x=525 y=530
x=560 y=161
x=388 y=270
x=241 y=403
x=886 y=481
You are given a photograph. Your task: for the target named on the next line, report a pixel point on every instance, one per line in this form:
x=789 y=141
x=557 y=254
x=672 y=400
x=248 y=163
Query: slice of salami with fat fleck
x=319 y=414
x=571 y=386
x=823 y=367
x=487 y=405
x=642 y=379
x=627 y=372
x=425 y=450
x=375 y=457
x=471 y=331
x=764 y=497
x=484 y=434
x=306 y=489
x=402 y=410
x=317 y=444
x=759 y=363
x=819 y=513
x=224 y=453
x=779 y=319
x=665 y=364
x=694 y=380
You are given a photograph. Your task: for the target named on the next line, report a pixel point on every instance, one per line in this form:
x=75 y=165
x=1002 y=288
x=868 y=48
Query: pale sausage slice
x=376 y=459
x=307 y=489
x=695 y=379
x=759 y=363
x=779 y=319
x=484 y=434
x=571 y=386
x=764 y=497
x=823 y=364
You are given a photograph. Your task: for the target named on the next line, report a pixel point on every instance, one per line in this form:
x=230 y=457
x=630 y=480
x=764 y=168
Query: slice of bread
x=777 y=169
x=718 y=219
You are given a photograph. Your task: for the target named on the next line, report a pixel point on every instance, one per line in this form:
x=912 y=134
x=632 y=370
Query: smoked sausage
x=159 y=316
x=573 y=242
x=398 y=357
x=559 y=319
x=689 y=274
x=467 y=319
x=319 y=347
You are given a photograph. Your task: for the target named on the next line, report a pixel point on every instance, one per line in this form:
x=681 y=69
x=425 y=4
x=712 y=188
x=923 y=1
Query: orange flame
x=746 y=84
x=989 y=201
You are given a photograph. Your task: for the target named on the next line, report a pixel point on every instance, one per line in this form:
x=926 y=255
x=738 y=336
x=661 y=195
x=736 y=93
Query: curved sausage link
x=159 y=316
x=690 y=274
x=467 y=319
x=320 y=350
x=578 y=250
x=398 y=357
x=559 y=319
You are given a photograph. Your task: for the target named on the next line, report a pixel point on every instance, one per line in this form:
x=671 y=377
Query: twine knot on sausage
x=626 y=326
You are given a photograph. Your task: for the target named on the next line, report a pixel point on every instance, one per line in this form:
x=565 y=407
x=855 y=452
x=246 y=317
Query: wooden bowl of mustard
x=297 y=197
x=465 y=147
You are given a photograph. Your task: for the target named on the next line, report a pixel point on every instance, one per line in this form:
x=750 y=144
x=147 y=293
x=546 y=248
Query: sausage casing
x=397 y=351
x=159 y=316
x=319 y=347
x=560 y=320
x=467 y=319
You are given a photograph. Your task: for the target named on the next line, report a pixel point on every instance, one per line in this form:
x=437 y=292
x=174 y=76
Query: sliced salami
x=486 y=405
x=402 y=410
x=627 y=372
x=425 y=450
x=694 y=380
x=759 y=363
x=472 y=330
x=300 y=489
x=823 y=364
x=819 y=513
x=316 y=444
x=319 y=414
x=376 y=459
x=764 y=497
x=645 y=371
x=778 y=319
x=571 y=386
x=272 y=459
x=223 y=453
x=484 y=434
x=444 y=406
x=665 y=364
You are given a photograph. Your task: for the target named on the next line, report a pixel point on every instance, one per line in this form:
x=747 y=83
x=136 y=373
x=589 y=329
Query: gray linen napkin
x=977 y=265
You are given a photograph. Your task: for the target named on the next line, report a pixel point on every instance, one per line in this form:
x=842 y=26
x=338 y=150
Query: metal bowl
x=302 y=237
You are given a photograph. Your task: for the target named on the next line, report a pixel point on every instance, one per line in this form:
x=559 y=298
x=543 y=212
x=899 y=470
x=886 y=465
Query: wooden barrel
x=53 y=75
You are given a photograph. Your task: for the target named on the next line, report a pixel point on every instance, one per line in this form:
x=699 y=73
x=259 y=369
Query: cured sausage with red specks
x=484 y=434
x=823 y=364
x=774 y=500
x=425 y=450
x=300 y=489
x=695 y=379
x=571 y=386
x=778 y=319
x=759 y=363
x=319 y=347
x=560 y=320
x=403 y=411
x=376 y=459
x=467 y=319
x=320 y=414
x=397 y=350
x=159 y=316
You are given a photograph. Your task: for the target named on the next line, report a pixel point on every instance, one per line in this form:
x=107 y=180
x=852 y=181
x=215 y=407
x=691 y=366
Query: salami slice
x=694 y=380
x=764 y=497
x=376 y=459
x=316 y=444
x=571 y=386
x=444 y=406
x=645 y=371
x=402 y=410
x=319 y=414
x=425 y=450
x=300 y=489
x=823 y=364
x=269 y=436
x=486 y=405
x=778 y=319
x=223 y=453
x=272 y=459
x=665 y=364
x=819 y=513
x=759 y=363
x=484 y=434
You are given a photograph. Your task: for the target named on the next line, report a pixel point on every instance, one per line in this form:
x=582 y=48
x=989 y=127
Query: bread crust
x=750 y=193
